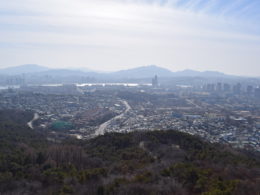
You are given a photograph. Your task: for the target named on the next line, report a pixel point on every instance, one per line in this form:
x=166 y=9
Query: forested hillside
x=157 y=162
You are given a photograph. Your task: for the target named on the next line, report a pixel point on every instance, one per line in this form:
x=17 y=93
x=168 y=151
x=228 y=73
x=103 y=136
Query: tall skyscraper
x=257 y=92
x=219 y=87
x=155 y=81
x=227 y=87
x=237 y=88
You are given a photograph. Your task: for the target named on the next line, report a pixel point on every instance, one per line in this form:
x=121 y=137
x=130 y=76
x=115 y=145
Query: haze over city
x=130 y=97
x=111 y=35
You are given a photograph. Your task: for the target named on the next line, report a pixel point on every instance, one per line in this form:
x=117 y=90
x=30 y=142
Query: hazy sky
x=222 y=35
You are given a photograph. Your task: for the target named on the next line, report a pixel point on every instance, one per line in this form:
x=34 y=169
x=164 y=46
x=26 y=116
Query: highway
x=102 y=127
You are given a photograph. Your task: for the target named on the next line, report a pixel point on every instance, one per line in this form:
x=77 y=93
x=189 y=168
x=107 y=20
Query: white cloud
x=112 y=34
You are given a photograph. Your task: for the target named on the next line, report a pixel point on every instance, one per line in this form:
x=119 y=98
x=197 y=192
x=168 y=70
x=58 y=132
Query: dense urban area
x=217 y=112
x=153 y=136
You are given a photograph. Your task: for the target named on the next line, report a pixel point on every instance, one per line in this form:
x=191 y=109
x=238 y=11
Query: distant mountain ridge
x=143 y=72
x=151 y=70
x=193 y=73
x=23 y=69
x=135 y=73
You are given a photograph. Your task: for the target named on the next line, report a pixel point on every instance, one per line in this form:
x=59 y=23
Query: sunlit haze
x=106 y=35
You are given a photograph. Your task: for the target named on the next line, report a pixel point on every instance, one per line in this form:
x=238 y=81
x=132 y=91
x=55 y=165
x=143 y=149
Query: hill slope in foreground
x=158 y=162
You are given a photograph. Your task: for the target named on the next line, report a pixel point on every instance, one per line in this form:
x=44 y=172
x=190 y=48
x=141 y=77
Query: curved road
x=102 y=127
x=35 y=117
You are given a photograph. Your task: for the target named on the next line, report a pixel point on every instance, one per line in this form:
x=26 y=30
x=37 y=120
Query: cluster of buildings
x=84 y=112
x=237 y=89
x=230 y=119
